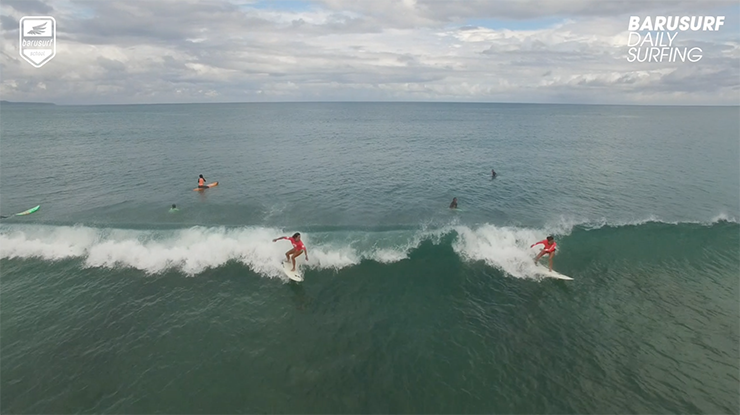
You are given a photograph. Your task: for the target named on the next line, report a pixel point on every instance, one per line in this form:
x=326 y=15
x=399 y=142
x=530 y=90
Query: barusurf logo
x=38 y=39
x=652 y=39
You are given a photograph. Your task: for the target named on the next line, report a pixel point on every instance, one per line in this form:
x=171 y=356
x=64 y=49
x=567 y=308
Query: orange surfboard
x=214 y=184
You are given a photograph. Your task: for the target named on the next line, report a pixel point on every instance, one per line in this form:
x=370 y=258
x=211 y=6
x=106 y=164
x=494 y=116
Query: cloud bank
x=569 y=51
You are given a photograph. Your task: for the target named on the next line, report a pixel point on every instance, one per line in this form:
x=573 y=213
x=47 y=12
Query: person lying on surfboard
x=549 y=249
x=453 y=205
x=298 y=248
x=202 y=182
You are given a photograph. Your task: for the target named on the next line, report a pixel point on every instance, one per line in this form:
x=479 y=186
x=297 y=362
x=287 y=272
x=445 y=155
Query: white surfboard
x=545 y=272
x=296 y=275
x=542 y=267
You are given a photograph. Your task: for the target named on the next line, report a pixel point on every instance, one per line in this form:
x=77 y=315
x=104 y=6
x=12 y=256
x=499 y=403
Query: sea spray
x=194 y=250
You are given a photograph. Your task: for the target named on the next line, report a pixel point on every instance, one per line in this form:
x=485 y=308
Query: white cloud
x=427 y=12
x=190 y=51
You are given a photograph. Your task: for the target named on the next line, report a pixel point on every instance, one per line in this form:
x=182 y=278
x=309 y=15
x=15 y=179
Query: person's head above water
x=297 y=235
x=201 y=176
x=173 y=206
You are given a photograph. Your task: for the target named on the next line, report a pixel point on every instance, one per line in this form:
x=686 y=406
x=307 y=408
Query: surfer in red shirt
x=298 y=248
x=549 y=249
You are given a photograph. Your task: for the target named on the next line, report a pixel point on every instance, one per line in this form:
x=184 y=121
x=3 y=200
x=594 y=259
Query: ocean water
x=110 y=303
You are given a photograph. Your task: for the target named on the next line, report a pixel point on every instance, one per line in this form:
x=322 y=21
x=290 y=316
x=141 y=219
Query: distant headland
x=25 y=103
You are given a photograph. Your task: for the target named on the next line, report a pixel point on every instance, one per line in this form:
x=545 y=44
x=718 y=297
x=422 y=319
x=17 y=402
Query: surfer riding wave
x=298 y=248
x=549 y=249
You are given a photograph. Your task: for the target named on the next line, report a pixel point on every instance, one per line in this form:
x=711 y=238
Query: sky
x=538 y=51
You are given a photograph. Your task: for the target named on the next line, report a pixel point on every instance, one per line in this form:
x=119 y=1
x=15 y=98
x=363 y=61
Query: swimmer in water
x=174 y=208
x=298 y=248
x=549 y=249
x=453 y=205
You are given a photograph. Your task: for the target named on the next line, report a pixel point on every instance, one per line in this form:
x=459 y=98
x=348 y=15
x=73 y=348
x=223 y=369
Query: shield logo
x=38 y=39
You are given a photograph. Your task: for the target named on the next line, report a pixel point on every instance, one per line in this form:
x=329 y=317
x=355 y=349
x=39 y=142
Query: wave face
x=194 y=250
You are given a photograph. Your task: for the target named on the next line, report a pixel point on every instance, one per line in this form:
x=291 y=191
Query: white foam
x=505 y=248
x=723 y=217
x=195 y=250
x=191 y=251
x=563 y=226
x=50 y=243
x=388 y=256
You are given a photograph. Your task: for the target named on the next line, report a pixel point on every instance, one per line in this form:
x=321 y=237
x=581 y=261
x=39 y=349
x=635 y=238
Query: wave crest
x=197 y=249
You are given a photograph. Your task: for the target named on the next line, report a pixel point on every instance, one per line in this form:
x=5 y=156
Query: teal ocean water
x=110 y=303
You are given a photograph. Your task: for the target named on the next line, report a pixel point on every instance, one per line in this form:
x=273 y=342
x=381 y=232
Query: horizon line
x=376 y=102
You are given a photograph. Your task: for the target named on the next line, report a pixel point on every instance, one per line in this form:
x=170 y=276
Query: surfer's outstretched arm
x=305 y=252
x=277 y=239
